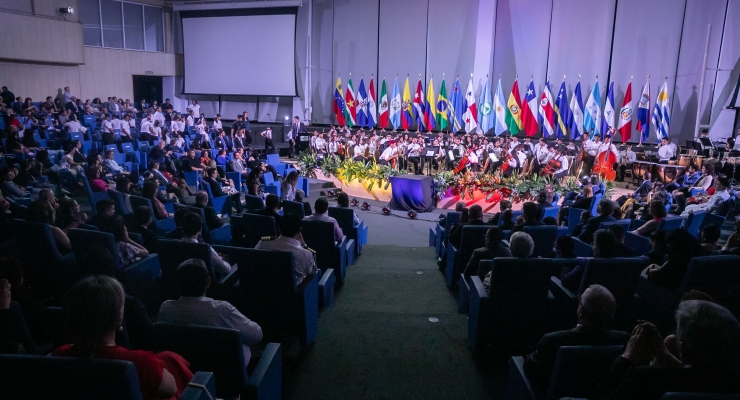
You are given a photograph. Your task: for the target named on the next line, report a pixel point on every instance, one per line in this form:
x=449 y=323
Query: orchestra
x=420 y=153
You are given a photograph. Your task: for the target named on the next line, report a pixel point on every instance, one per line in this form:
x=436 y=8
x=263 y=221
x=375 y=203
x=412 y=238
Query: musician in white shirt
x=390 y=153
x=217 y=125
x=666 y=150
x=626 y=159
x=414 y=155
x=359 y=151
x=320 y=144
x=514 y=143
x=333 y=145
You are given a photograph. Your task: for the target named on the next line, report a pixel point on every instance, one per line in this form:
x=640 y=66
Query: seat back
x=453 y=217
x=38 y=250
x=253 y=203
x=137 y=202
x=620 y=276
x=471 y=238
x=717 y=276
x=84 y=240
x=549 y=212
x=117 y=197
x=595 y=203
x=38 y=377
x=699 y=396
x=518 y=308
x=273 y=159
x=640 y=244
x=294 y=207
x=574 y=218
x=217 y=350
x=712 y=219
x=582 y=249
x=579 y=370
x=625 y=223
x=255 y=228
x=172 y=253
x=267 y=178
x=319 y=235
x=668 y=224
x=544 y=239
x=345 y=217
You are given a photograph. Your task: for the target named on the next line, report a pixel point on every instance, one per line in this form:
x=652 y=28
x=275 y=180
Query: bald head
x=597 y=307
x=201 y=198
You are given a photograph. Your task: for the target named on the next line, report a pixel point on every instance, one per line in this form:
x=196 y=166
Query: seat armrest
x=201 y=383
x=463 y=295
x=560 y=291
x=221 y=235
x=308 y=294
x=326 y=289
x=477 y=289
x=230 y=279
x=266 y=381
x=519 y=386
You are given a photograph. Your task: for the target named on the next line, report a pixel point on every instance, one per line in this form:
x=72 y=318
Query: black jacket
x=212 y=219
x=485 y=253
x=456 y=231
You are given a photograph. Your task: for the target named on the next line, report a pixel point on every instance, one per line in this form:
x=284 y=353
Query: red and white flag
x=547 y=114
x=625 y=115
x=470 y=116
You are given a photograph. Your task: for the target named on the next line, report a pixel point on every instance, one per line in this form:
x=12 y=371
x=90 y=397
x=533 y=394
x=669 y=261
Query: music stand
x=429 y=153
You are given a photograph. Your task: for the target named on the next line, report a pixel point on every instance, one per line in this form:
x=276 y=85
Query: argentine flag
x=592 y=113
x=499 y=107
x=661 y=113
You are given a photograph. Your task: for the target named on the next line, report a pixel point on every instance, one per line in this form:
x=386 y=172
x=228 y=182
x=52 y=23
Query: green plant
x=307 y=164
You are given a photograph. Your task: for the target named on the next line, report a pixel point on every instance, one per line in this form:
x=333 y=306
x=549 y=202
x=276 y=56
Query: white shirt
x=473 y=157
x=75 y=126
x=217 y=125
x=627 y=156
x=667 y=152
x=513 y=144
x=607 y=147
x=360 y=150
x=414 y=150
x=319 y=144
x=215 y=313
x=145 y=124
x=388 y=153
x=158 y=117
x=177 y=126
x=540 y=151
x=563 y=165
x=591 y=147
x=221 y=267
x=190 y=120
x=106 y=126
x=195 y=108
x=333 y=147
x=116 y=123
x=304 y=261
x=125 y=128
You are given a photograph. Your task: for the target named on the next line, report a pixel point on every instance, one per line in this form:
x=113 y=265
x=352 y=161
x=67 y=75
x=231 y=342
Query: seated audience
x=474 y=218
x=97 y=184
x=41 y=211
x=503 y=206
x=272 y=208
x=93 y=312
x=604 y=246
x=657 y=213
x=734 y=240
x=564 y=247
x=289 y=185
x=621 y=249
x=343 y=202
x=507 y=218
x=291 y=239
x=299 y=196
x=321 y=206
x=192 y=226
x=530 y=217
x=110 y=164
x=104 y=209
x=141 y=225
x=194 y=308
x=213 y=221
x=69 y=216
x=708 y=337
x=713 y=203
x=596 y=308
x=150 y=191
x=217 y=191
x=495 y=247
x=15 y=337
x=128 y=250
x=710 y=239
x=521 y=245
x=604 y=210
x=681 y=248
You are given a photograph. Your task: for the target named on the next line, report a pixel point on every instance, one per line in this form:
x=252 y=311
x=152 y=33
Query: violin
x=463 y=162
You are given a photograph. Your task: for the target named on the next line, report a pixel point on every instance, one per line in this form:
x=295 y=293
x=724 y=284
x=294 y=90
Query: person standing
x=298 y=129
x=269 y=146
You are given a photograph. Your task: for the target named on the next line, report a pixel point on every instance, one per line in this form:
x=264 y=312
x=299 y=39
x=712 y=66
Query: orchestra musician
x=666 y=150
x=589 y=151
x=627 y=157
x=361 y=152
x=413 y=152
x=389 y=155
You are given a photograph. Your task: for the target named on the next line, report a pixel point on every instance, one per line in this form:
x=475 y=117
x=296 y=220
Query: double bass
x=552 y=166
x=603 y=165
x=463 y=162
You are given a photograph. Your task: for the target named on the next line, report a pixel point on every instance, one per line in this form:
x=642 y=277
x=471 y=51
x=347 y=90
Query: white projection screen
x=251 y=55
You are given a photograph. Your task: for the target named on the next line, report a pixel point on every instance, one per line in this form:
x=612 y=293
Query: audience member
x=343 y=202
x=128 y=250
x=604 y=246
x=289 y=185
x=681 y=248
x=192 y=226
x=657 y=213
x=213 y=221
x=93 y=313
x=474 y=218
x=299 y=196
x=604 y=210
x=321 y=206
x=495 y=247
x=521 y=245
x=564 y=247
x=15 y=337
x=710 y=239
x=291 y=239
x=41 y=211
x=734 y=240
x=503 y=206
x=621 y=249
x=194 y=308
x=104 y=209
x=596 y=307
x=141 y=225
x=530 y=217
x=272 y=208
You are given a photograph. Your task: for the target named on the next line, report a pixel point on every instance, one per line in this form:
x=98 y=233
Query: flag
x=362 y=104
x=625 y=116
x=442 y=107
x=456 y=107
x=592 y=113
x=471 y=111
x=407 y=107
x=529 y=122
x=514 y=109
x=395 y=107
x=547 y=115
x=350 y=110
x=485 y=117
x=430 y=108
x=643 y=111
x=500 y=113
x=608 y=125
x=371 y=113
x=576 y=112
x=661 y=113
x=419 y=105
x=562 y=112
x=339 y=102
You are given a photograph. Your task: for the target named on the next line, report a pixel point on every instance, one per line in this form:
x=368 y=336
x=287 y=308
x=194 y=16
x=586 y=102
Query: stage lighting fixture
x=286 y=118
x=412 y=214
x=330 y=193
x=354 y=202
x=441 y=217
x=365 y=206
x=386 y=211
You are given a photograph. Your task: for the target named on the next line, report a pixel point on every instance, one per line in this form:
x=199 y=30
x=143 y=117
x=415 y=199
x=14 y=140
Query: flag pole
x=701 y=82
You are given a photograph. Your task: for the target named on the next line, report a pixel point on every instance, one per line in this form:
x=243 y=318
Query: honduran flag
x=339 y=102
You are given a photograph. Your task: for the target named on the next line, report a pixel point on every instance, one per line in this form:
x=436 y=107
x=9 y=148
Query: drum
x=684 y=161
x=668 y=173
x=640 y=167
x=699 y=161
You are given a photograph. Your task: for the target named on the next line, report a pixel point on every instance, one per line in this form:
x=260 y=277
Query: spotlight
x=286 y=118
x=354 y=202
x=365 y=206
x=330 y=193
x=386 y=211
x=442 y=216
x=412 y=214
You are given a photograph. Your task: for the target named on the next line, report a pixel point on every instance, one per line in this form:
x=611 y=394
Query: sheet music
x=430 y=153
x=493 y=157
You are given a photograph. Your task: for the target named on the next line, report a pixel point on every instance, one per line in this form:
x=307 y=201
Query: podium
x=412 y=192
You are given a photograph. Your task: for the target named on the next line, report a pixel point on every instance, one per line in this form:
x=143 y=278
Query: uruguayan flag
x=661 y=113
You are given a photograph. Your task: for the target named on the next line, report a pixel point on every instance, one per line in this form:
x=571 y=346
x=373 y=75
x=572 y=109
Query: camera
x=67 y=11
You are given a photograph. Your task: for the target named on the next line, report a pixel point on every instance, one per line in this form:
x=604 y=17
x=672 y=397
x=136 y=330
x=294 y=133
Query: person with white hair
x=596 y=307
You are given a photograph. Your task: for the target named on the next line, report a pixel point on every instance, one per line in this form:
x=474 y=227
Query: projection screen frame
x=242 y=12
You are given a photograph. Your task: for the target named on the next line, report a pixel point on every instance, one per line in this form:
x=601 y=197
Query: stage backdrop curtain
x=412 y=192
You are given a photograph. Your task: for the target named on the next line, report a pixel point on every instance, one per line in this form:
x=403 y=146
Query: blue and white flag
x=643 y=113
x=592 y=113
x=457 y=107
x=661 y=113
x=395 y=108
x=362 y=104
x=562 y=112
x=485 y=114
x=576 y=110
x=608 y=123
x=499 y=107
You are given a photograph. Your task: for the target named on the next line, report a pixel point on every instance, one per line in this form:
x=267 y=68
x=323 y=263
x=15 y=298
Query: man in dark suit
x=223 y=142
x=475 y=215
x=72 y=106
x=142 y=221
x=605 y=210
x=531 y=216
x=212 y=220
x=596 y=308
x=708 y=343
x=297 y=129
x=494 y=248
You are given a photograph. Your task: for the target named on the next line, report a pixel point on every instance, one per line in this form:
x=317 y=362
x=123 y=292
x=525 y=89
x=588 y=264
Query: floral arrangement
x=369 y=175
x=496 y=186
